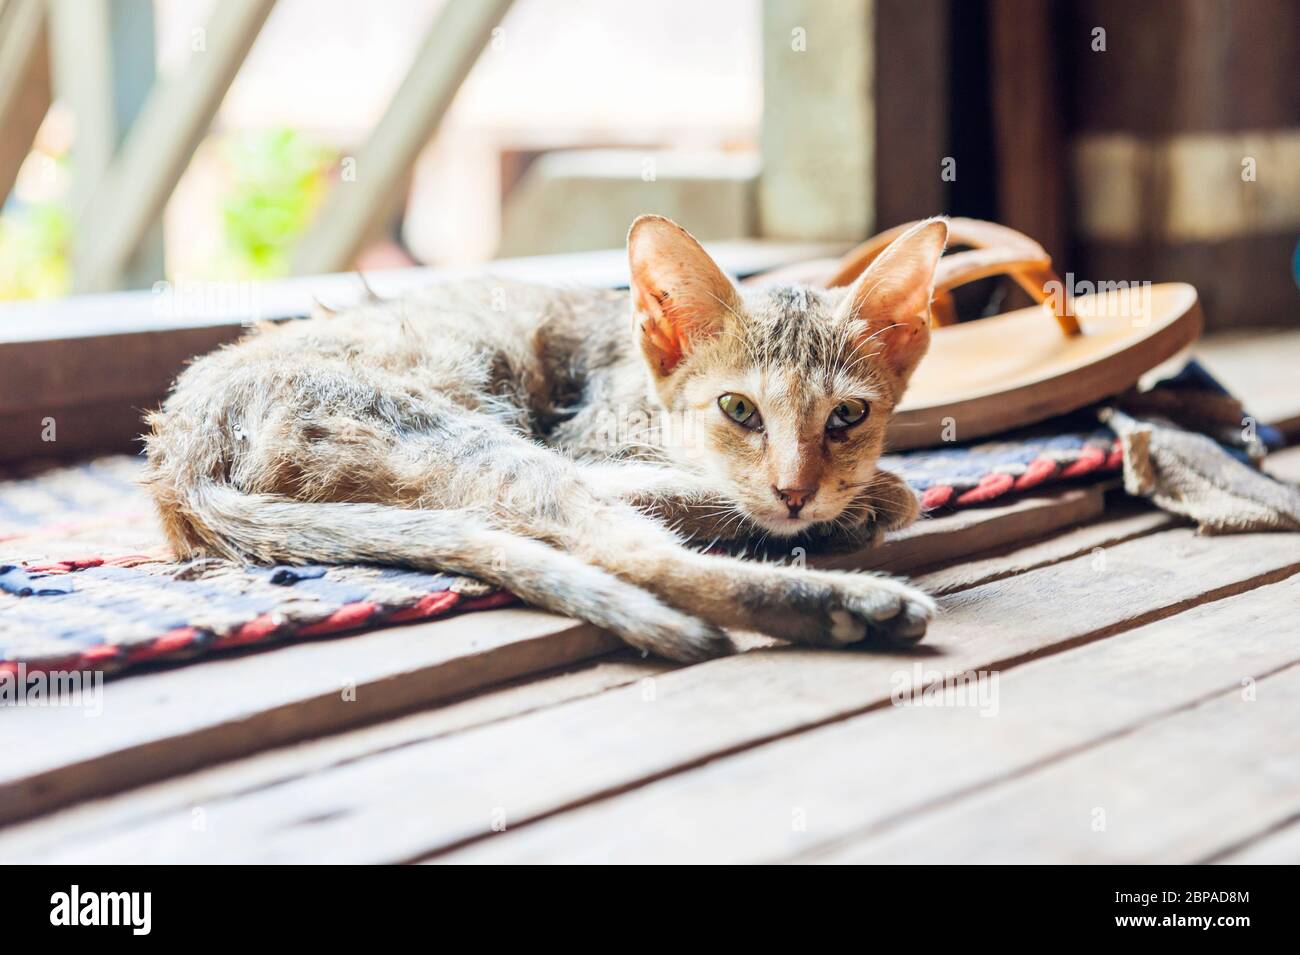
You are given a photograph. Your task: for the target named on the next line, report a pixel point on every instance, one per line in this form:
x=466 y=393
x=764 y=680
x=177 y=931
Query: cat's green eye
x=846 y=414
x=740 y=410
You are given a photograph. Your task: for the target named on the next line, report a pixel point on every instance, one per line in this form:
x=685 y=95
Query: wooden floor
x=1119 y=690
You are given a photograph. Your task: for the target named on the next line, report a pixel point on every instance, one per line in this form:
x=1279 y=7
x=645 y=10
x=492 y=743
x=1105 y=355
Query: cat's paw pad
x=881 y=608
x=907 y=627
x=846 y=628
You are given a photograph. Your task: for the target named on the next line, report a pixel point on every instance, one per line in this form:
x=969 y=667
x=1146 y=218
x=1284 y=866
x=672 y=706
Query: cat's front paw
x=843 y=608
x=880 y=608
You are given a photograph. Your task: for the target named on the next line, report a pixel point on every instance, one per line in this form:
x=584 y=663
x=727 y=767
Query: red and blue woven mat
x=86 y=581
x=978 y=473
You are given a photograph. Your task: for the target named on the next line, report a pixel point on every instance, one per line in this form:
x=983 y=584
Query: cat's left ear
x=680 y=295
x=892 y=298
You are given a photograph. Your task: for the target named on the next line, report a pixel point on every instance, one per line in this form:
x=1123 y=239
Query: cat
x=477 y=427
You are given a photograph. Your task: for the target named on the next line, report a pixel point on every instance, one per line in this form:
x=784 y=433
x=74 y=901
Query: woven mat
x=86 y=580
x=976 y=474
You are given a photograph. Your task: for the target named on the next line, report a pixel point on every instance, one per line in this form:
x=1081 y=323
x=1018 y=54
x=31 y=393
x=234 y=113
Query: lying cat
x=468 y=429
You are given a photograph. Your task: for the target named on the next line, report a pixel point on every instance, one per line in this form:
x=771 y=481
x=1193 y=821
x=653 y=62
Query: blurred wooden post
x=102 y=58
x=356 y=209
x=912 y=67
x=817 y=180
x=24 y=84
x=132 y=194
x=1029 y=121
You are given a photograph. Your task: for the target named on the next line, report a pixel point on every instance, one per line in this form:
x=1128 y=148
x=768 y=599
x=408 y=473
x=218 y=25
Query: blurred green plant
x=278 y=178
x=35 y=247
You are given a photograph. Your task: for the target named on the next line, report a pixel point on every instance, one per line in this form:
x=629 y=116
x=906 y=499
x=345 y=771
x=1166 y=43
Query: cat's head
x=787 y=389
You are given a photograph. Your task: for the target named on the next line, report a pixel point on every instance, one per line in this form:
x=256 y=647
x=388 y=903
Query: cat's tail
x=265 y=528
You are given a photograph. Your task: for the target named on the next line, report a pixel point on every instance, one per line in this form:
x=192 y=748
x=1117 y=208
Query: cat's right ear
x=680 y=295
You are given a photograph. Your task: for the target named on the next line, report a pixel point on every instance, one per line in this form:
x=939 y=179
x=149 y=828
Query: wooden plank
x=937 y=540
x=235 y=303
x=24 y=84
x=355 y=210
x=155 y=725
x=542 y=763
x=46 y=834
x=1126 y=520
x=1277 y=846
x=82 y=430
x=1175 y=791
x=97 y=404
x=131 y=195
x=66 y=749
x=834 y=787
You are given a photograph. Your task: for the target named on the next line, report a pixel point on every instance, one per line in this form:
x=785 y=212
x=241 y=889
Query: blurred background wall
x=1157 y=140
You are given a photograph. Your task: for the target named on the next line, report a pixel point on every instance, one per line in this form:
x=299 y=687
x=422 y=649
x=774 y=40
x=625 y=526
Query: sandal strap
x=994 y=250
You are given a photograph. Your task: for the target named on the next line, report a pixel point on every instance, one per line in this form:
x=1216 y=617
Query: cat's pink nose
x=795 y=498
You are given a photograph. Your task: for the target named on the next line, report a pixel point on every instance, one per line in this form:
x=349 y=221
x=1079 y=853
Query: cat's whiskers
x=876 y=334
x=724 y=304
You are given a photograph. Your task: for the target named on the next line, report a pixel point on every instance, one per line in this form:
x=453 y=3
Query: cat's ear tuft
x=680 y=295
x=892 y=298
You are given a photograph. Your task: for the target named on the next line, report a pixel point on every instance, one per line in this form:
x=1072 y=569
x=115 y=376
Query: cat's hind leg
x=267 y=529
x=553 y=580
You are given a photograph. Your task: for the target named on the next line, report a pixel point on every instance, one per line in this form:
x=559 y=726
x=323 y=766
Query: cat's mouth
x=783 y=525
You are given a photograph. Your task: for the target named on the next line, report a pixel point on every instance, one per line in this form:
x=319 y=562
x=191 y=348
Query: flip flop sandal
x=1021 y=367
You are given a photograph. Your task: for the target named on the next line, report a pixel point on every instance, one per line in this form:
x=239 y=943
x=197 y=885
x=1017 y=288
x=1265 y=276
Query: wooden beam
x=103 y=64
x=356 y=210
x=82 y=68
x=133 y=192
x=100 y=358
x=24 y=84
